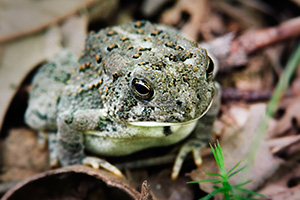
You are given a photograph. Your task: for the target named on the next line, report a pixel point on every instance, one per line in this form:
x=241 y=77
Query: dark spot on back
x=179 y=103
x=115 y=76
x=112 y=46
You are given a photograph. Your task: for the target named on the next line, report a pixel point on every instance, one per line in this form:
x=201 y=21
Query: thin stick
x=254 y=40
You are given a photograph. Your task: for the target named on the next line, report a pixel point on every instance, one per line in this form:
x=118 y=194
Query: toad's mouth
x=161 y=124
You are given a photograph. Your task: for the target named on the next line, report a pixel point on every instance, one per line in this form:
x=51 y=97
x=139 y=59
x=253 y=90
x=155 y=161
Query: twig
x=235 y=51
x=233 y=94
x=254 y=40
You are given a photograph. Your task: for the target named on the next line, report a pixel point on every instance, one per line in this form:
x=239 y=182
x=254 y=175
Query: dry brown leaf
x=19 y=57
x=236 y=148
x=209 y=165
x=165 y=188
x=288 y=194
x=103 y=10
x=196 y=19
x=284 y=183
x=73 y=182
x=150 y=7
x=23 y=17
x=281 y=143
x=238 y=134
x=213 y=48
x=230 y=125
x=74 y=40
x=246 y=17
x=291 y=115
x=256 y=77
x=196 y=9
x=21 y=157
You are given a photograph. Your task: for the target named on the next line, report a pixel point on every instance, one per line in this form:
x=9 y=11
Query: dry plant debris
x=16 y=62
x=19 y=18
x=252 y=41
x=18 y=166
x=238 y=128
x=74 y=182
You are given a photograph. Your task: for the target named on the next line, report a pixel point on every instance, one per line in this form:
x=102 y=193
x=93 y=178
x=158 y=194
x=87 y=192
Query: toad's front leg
x=70 y=138
x=201 y=136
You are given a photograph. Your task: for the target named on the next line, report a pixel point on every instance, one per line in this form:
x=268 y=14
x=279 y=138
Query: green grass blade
x=221 y=158
x=284 y=81
x=227 y=187
x=212 y=174
x=207 y=180
x=242 y=184
x=282 y=86
x=217 y=152
x=234 y=168
x=216 y=187
x=250 y=192
x=207 y=197
x=238 y=197
x=214 y=153
x=237 y=171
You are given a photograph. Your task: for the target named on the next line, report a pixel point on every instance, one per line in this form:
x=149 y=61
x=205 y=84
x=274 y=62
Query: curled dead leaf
x=284 y=184
x=290 y=194
x=290 y=118
x=281 y=143
x=195 y=18
x=28 y=17
x=74 y=182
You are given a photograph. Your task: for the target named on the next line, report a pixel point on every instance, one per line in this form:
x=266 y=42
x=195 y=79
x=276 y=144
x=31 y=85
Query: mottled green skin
x=91 y=102
x=173 y=80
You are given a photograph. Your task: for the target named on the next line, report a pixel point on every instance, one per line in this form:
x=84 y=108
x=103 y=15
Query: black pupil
x=141 y=87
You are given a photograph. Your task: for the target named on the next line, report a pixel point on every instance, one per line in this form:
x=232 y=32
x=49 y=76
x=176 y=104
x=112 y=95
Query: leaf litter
x=257 y=39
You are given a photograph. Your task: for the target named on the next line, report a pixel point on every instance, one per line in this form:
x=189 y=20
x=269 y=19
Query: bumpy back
x=46 y=89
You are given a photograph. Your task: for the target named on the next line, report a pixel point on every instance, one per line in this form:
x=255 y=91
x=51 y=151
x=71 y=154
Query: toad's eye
x=210 y=68
x=142 y=89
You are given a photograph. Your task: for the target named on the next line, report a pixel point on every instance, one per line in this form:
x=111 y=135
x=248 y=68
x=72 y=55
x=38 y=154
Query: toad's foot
x=48 y=140
x=193 y=146
x=96 y=163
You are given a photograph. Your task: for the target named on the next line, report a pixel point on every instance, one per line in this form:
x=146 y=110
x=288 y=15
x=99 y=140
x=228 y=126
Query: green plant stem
x=227 y=190
x=281 y=87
